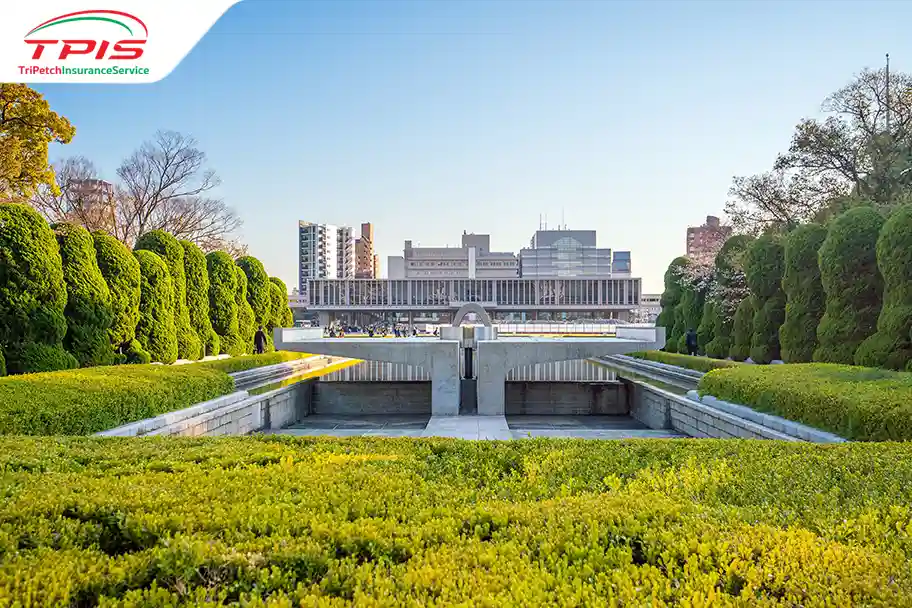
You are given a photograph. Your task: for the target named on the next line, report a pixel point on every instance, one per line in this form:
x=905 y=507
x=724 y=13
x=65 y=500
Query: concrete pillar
x=323 y=318
x=492 y=377
x=444 y=386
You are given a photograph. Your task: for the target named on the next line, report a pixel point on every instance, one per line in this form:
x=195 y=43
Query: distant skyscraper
x=570 y=253
x=365 y=260
x=324 y=252
x=704 y=242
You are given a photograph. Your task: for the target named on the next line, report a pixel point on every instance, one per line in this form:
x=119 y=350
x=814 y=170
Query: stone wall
x=565 y=398
x=371 y=398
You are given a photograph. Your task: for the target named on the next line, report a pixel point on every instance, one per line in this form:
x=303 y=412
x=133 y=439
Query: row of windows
x=447 y=292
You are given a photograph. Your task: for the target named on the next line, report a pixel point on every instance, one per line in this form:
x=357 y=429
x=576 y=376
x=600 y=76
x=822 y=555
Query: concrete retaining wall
x=565 y=398
x=660 y=409
x=371 y=398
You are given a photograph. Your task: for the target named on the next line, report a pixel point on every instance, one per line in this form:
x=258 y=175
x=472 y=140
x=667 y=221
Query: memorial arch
x=472 y=307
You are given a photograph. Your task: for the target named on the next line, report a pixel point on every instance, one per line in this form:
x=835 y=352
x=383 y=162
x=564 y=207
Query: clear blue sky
x=433 y=117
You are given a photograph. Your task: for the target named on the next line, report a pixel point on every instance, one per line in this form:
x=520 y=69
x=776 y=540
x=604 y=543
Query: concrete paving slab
x=573 y=423
x=594 y=434
x=468 y=427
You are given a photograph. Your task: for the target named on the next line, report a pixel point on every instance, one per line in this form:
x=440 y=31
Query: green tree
x=246 y=321
x=729 y=290
x=89 y=311
x=32 y=294
x=742 y=330
x=223 y=308
x=891 y=345
x=171 y=252
x=852 y=283
x=804 y=297
x=281 y=311
x=155 y=330
x=764 y=266
x=27 y=127
x=671 y=297
x=258 y=292
x=197 y=278
x=707 y=328
x=120 y=271
x=688 y=314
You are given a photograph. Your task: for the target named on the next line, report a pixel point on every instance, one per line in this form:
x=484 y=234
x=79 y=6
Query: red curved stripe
x=122 y=14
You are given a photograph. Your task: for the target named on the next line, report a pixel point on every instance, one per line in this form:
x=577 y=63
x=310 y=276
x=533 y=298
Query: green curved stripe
x=108 y=19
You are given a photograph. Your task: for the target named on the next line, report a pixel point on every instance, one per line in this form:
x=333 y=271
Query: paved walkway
x=476 y=427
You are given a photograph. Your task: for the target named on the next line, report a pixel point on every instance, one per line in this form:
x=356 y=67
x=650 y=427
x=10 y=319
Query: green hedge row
x=860 y=403
x=73 y=299
x=245 y=362
x=94 y=399
x=700 y=364
x=840 y=293
x=278 y=522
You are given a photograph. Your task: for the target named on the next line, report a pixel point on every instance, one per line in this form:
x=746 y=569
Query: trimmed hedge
x=670 y=299
x=223 y=308
x=120 y=270
x=197 y=278
x=170 y=250
x=706 y=330
x=32 y=293
x=155 y=330
x=281 y=311
x=804 y=295
x=245 y=362
x=852 y=283
x=700 y=364
x=85 y=401
x=742 y=330
x=764 y=267
x=891 y=345
x=687 y=315
x=278 y=521
x=89 y=311
x=258 y=291
x=246 y=321
x=860 y=403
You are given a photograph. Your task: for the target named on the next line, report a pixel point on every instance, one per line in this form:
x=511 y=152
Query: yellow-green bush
x=861 y=403
x=93 y=399
x=239 y=364
x=700 y=364
x=371 y=522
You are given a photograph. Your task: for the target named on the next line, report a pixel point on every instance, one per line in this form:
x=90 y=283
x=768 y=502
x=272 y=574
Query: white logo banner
x=107 y=41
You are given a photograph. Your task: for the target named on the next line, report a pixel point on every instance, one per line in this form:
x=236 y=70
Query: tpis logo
x=98 y=35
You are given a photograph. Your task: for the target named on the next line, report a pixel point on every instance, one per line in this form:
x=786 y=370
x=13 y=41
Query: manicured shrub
x=135 y=353
x=730 y=289
x=859 y=403
x=246 y=322
x=170 y=250
x=700 y=364
x=891 y=345
x=852 y=283
x=258 y=290
x=707 y=325
x=84 y=401
x=32 y=293
x=278 y=521
x=687 y=315
x=120 y=271
x=281 y=311
x=198 y=298
x=155 y=330
x=764 y=267
x=804 y=296
x=245 y=362
x=223 y=308
x=670 y=299
x=742 y=330
x=89 y=312
x=2 y=364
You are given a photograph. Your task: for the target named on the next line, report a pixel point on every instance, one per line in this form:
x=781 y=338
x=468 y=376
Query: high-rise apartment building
x=365 y=260
x=704 y=242
x=570 y=253
x=324 y=252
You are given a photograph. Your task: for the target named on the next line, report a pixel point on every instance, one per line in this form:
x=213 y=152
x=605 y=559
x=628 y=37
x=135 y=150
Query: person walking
x=259 y=341
x=691 y=341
